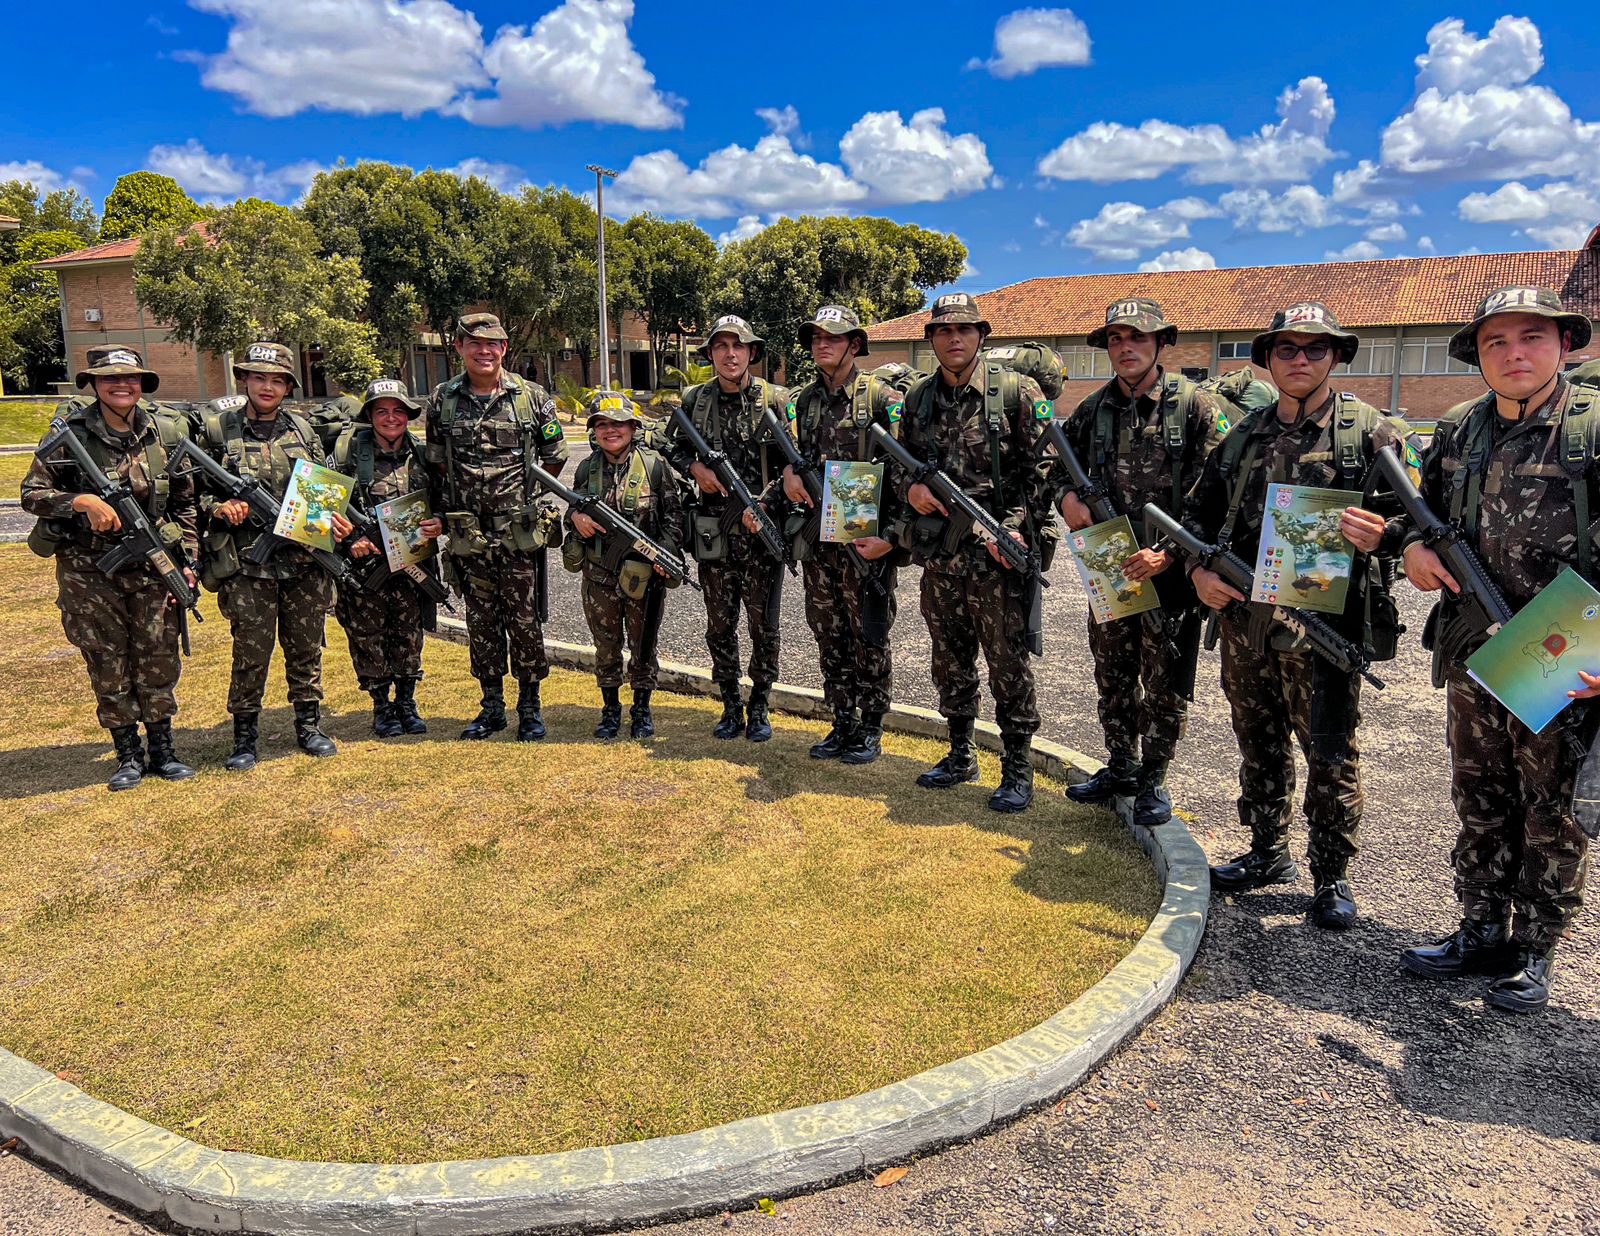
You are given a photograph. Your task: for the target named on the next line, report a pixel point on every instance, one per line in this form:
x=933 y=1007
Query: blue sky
x=1053 y=141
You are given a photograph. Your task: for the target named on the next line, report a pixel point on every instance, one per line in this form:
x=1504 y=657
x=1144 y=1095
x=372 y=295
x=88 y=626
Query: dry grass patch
x=428 y=949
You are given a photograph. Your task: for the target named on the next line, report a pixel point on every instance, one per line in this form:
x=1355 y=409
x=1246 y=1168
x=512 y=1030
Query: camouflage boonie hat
x=955 y=309
x=1519 y=298
x=114 y=361
x=268 y=358
x=733 y=324
x=1139 y=314
x=388 y=388
x=480 y=326
x=835 y=320
x=1306 y=317
x=612 y=406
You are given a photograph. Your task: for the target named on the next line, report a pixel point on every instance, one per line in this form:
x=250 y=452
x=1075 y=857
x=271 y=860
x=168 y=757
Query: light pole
x=600 y=174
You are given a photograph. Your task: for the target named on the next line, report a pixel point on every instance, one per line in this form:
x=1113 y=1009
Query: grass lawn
x=426 y=949
x=12 y=469
x=24 y=421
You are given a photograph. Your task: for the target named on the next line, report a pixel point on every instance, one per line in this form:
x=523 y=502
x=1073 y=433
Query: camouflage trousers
x=1270 y=696
x=500 y=588
x=1142 y=677
x=288 y=612
x=982 y=608
x=855 y=672
x=747 y=577
x=128 y=635
x=617 y=621
x=1519 y=848
x=384 y=631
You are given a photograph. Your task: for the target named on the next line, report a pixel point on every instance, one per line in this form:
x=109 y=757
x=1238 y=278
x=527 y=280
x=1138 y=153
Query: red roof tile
x=109 y=252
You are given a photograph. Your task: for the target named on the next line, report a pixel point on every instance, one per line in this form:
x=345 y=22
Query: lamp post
x=600 y=174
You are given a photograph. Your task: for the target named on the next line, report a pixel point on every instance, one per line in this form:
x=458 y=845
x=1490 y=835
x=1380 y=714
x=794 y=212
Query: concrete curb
x=161 y=1173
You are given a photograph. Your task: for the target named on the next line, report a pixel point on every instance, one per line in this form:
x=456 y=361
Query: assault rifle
x=371 y=571
x=138 y=540
x=622 y=535
x=1463 y=620
x=742 y=499
x=263 y=506
x=1092 y=493
x=1341 y=653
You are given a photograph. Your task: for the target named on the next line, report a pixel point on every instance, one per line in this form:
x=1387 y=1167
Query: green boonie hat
x=955 y=309
x=1138 y=313
x=268 y=358
x=733 y=324
x=613 y=406
x=388 y=388
x=480 y=326
x=1518 y=298
x=114 y=361
x=835 y=320
x=1305 y=317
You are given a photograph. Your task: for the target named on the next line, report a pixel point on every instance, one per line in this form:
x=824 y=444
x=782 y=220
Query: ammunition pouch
x=534 y=527
x=466 y=537
x=47 y=536
x=793 y=527
x=709 y=537
x=574 y=550
x=219 y=557
x=1384 y=627
x=634 y=578
x=1047 y=539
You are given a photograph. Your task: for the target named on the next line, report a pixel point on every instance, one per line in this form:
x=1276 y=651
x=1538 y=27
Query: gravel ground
x=1299 y=1082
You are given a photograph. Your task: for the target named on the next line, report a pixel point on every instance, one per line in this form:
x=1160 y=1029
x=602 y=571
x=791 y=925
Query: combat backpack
x=361 y=449
x=1041 y=363
x=701 y=404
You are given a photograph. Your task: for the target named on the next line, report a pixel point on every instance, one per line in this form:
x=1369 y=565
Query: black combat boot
x=1120 y=776
x=962 y=762
x=838 y=739
x=1153 y=807
x=385 y=721
x=1016 y=775
x=640 y=723
x=759 y=727
x=1527 y=988
x=530 y=716
x=610 y=714
x=405 y=707
x=245 y=732
x=491 y=718
x=308 y=735
x=1333 y=908
x=1256 y=869
x=130 y=758
x=1473 y=948
x=732 y=723
x=866 y=744
x=163 y=760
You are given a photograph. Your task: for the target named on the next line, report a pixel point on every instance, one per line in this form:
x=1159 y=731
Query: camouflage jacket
x=824 y=424
x=394 y=473
x=269 y=451
x=657 y=505
x=729 y=421
x=477 y=445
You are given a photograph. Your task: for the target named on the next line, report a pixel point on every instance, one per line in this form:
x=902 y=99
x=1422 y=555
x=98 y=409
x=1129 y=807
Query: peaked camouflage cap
x=480 y=326
x=1305 y=317
x=1138 y=313
x=1518 y=298
x=835 y=320
x=266 y=357
x=388 y=388
x=612 y=406
x=955 y=309
x=733 y=324
x=114 y=361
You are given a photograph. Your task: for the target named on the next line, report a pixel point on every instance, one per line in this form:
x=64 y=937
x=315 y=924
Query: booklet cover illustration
x=1099 y=553
x=400 y=523
x=852 y=493
x=1531 y=664
x=314 y=496
x=1304 y=560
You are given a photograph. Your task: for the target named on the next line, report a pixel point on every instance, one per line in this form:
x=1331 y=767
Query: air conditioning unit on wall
x=91 y=315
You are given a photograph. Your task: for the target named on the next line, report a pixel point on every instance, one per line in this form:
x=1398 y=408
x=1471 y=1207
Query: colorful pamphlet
x=315 y=495
x=400 y=523
x=1099 y=553
x=1304 y=560
x=852 y=494
x=1533 y=661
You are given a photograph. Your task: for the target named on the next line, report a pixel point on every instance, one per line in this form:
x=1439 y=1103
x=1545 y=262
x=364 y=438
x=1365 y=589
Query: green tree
x=145 y=200
x=32 y=351
x=257 y=271
x=64 y=210
x=570 y=312
x=667 y=278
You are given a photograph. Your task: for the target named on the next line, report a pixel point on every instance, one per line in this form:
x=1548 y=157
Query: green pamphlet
x=1533 y=661
x=315 y=495
x=1304 y=560
x=1099 y=553
x=851 y=496
x=400 y=523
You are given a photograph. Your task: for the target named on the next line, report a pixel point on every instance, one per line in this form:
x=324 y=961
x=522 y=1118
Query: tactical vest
x=526 y=417
x=865 y=392
x=703 y=406
x=590 y=476
x=1176 y=394
x=1002 y=397
x=223 y=426
x=359 y=445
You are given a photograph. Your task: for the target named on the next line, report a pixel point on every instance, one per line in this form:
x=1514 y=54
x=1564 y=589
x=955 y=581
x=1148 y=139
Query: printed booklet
x=314 y=496
x=1533 y=661
x=1304 y=560
x=852 y=493
x=1099 y=553
x=400 y=523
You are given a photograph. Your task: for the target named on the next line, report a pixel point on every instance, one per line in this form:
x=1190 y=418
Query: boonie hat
x=115 y=361
x=1306 y=317
x=1518 y=298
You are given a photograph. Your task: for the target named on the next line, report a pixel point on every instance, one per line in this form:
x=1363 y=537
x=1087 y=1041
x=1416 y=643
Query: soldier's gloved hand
x=363 y=548
x=872 y=547
x=431 y=528
x=1146 y=564
x=923 y=502
x=706 y=479
x=1426 y=571
x=994 y=550
x=1212 y=591
x=583 y=525
x=342 y=527
x=1363 y=529
x=794 y=488
x=98 y=512
x=234 y=511
x=1075 y=512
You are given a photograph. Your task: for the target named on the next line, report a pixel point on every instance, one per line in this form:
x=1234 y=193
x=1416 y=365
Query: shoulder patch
x=1413 y=460
x=228 y=403
x=1223 y=423
x=1042 y=410
x=788 y=410
x=895 y=411
x=551 y=430
x=548 y=407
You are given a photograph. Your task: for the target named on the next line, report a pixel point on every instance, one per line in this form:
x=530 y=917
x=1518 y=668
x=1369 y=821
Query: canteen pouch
x=466 y=537
x=634 y=578
x=793 y=527
x=534 y=528
x=219 y=557
x=572 y=553
x=46 y=537
x=710 y=539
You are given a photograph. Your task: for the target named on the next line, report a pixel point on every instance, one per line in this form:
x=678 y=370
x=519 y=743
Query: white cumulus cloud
x=1124 y=230
x=45 y=179
x=1357 y=251
x=748 y=226
x=1298 y=208
x=1033 y=39
x=917 y=161
x=1387 y=232
x=503 y=176
x=221 y=178
x=1191 y=258
x=1456 y=60
x=1559 y=214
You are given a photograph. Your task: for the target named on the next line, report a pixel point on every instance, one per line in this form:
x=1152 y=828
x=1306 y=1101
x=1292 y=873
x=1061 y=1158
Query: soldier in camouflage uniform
x=970 y=600
x=851 y=620
x=1276 y=692
x=125 y=625
x=1145 y=435
x=1503 y=468
x=623 y=608
x=482 y=424
x=384 y=625
x=286 y=599
x=737 y=569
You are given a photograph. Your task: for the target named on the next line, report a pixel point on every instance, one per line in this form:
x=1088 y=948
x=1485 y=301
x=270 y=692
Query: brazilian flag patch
x=789 y=409
x=552 y=430
x=1041 y=410
x=895 y=411
x=1223 y=423
x=1413 y=459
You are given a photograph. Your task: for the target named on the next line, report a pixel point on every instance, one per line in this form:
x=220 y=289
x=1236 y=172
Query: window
x=1085 y=362
x=1430 y=354
x=1234 y=350
x=1376 y=357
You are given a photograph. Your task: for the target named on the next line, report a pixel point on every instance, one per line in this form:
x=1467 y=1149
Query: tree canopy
x=142 y=201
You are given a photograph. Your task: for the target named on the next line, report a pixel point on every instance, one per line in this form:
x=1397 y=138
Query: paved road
x=1298 y=1083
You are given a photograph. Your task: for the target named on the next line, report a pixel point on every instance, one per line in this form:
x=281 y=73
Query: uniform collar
x=1271 y=423
x=139 y=424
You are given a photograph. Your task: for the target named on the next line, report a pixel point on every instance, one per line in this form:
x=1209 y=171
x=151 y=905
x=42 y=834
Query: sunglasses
x=1286 y=351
